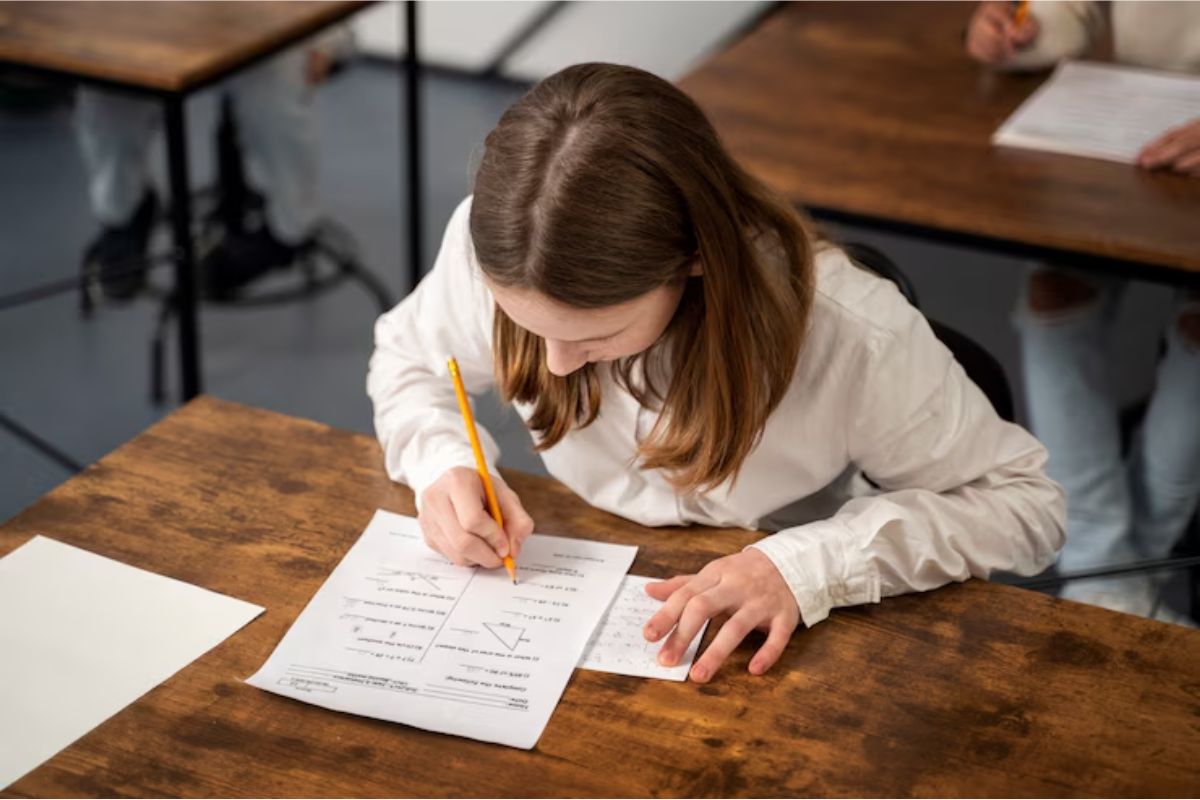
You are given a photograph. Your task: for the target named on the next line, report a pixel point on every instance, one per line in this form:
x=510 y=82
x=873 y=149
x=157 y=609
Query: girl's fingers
x=777 y=641
x=989 y=39
x=725 y=642
x=440 y=513
x=1026 y=32
x=995 y=13
x=1189 y=163
x=668 y=616
x=472 y=516
x=475 y=551
x=518 y=525
x=1165 y=148
x=661 y=590
x=699 y=610
x=431 y=533
x=459 y=545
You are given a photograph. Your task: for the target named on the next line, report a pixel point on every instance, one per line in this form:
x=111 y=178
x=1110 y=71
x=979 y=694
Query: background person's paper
x=618 y=644
x=1101 y=111
x=399 y=633
x=83 y=636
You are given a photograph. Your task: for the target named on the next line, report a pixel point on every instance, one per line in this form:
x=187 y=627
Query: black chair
x=980 y=365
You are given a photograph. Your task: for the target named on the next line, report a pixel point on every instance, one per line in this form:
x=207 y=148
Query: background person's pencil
x=480 y=462
x=1021 y=13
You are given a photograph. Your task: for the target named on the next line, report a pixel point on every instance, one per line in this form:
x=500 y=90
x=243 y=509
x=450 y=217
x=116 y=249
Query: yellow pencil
x=480 y=461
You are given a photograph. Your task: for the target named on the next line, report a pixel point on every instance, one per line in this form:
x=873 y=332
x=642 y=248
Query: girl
x=684 y=351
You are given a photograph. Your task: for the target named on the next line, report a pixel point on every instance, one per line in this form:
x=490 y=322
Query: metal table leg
x=185 y=293
x=412 y=77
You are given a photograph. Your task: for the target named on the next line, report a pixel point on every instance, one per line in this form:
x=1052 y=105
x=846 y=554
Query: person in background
x=272 y=104
x=1120 y=509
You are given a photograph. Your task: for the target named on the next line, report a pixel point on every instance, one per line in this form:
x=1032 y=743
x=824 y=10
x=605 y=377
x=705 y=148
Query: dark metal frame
x=38 y=443
x=412 y=76
x=1125 y=268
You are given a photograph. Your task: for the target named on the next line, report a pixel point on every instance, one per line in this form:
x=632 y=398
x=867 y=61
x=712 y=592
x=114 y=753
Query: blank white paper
x=618 y=645
x=1101 y=111
x=399 y=633
x=83 y=636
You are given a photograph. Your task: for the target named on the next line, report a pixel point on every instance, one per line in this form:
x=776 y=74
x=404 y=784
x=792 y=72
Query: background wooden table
x=976 y=689
x=873 y=114
x=176 y=47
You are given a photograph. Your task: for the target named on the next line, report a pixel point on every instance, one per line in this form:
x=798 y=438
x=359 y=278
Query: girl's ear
x=696 y=268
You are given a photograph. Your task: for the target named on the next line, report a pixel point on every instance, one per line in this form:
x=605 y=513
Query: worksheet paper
x=399 y=633
x=1102 y=110
x=618 y=645
x=82 y=636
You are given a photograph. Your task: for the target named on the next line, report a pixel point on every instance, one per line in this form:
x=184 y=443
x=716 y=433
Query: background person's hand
x=993 y=36
x=1178 y=149
x=318 y=64
x=748 y=587
x=456 y=522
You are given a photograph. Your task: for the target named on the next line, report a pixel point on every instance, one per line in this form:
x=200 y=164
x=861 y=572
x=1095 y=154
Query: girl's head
x=614 y=230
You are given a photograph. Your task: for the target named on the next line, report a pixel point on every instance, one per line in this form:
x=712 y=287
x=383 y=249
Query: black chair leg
x=158 y=351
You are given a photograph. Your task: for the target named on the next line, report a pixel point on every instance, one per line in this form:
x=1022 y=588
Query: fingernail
x=700 y=673
x=666 y=659
x=651 y=634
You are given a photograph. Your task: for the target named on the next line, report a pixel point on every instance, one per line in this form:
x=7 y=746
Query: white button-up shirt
x=961 y=492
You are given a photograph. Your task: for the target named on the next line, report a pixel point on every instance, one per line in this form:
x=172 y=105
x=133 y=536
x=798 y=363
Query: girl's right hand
x=456 y=522
x=993 y=36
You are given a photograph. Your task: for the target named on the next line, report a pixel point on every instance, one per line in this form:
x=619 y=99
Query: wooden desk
x=872 y=113
x=176 y=46
x=975 y=689
x=165 y=51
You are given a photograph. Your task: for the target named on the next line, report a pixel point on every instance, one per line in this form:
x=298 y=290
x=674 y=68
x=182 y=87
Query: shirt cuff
x=430 y=469
x=426 y=458
x=821 y=567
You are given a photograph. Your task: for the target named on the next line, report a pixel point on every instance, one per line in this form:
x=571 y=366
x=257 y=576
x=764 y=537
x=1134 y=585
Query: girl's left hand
x=1177 y=149
x=748 y=587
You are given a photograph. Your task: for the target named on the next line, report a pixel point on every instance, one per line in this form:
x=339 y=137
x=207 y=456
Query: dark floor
x=83 y=384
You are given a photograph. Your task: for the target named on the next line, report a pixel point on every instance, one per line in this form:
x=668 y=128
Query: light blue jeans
x=1118 y=509
x=273 y=104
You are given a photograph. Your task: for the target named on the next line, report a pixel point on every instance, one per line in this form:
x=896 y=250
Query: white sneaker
x=1132 y=594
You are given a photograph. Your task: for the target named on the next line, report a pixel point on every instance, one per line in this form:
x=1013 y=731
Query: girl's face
x=578 y=336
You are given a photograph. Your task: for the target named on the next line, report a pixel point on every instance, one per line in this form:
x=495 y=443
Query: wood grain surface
x=976 y=689
x=874 y=109
x=156 y=45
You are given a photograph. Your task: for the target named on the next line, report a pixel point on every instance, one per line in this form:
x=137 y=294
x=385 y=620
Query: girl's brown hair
x=603 y=183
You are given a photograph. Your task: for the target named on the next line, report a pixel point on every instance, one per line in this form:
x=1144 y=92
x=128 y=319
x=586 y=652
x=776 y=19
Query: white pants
x=273 y=106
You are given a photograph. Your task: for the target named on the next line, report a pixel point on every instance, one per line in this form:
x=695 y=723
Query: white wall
x=663 y=37
x=464 y=35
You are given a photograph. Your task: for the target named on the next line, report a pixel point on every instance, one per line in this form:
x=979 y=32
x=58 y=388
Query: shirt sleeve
x=449 y=314
x=1066 y=29
x=963 y=493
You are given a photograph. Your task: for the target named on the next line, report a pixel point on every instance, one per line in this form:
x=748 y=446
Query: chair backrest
x=873 y=259
x=980 y=365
